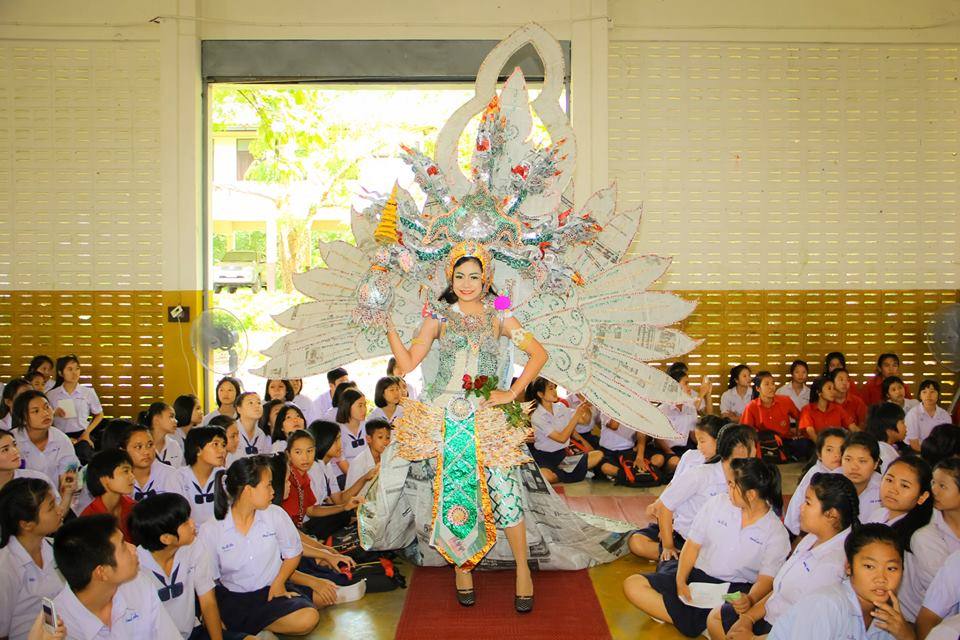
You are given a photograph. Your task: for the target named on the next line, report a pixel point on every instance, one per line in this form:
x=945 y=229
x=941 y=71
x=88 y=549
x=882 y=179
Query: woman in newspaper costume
x=494 y=270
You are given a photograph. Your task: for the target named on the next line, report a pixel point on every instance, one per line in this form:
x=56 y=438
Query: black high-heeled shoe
x=523 y=604
x=466 y=597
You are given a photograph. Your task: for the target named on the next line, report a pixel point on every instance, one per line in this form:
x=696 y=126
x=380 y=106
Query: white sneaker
x=352 y=592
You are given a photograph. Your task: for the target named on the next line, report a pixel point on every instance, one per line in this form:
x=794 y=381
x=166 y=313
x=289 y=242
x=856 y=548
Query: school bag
x=627 y=476
x=381 y=575
x=770 y=447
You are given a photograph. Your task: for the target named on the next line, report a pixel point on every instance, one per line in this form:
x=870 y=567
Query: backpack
x=381 y=575
x=770 y=447
x=627 y=476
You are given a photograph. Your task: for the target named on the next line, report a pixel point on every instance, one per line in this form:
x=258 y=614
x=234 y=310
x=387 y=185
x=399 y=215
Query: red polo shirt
x=834 y=416
x=126 y=506
x=855 y=408
x=775 y=418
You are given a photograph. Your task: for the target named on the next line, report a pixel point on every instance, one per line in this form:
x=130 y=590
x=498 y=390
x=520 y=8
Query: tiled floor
x=375 y=617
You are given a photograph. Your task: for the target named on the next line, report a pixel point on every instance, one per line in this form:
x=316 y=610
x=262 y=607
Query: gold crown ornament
x=471 y=249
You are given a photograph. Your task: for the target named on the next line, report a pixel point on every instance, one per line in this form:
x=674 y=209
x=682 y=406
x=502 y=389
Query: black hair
x=817 y=388
x=943 y=442
x=449 y=296
x=62 y=363
x=867 y=534
x=757 y=379
x=83 y=544
x=183 y=409
x=299 y=434
x=38 y=361
x=375 y=424
x=887 y=356
x=288 y=393
x=391 y=365
x=325 y=433
x=221 y=421
x=9 y=391
x=678 y=371
x=30 y=376
x=919 y=516
x=754 y=474
x=836 y=491
x=20 y=501
x=155 y=409
x=799 y=363
x=279 y=465
x=832 y=375
x=347 y=398
x=833 y=355
x=928 y=383
x=339 y=390
x=711 y=425
x=382 y=385
x=881 y=418
x=537 y=387
x=951 y=466
x=154 y=516
x=734 y=374
x=862 y=439
x=237 y=387
x=732 y=435
x=117 y=434
x=104 y=464
x=889 y=382
x=278 y=434
x=239 y=401
x=264 y=421
x=245 y=472
x=335 y=374
x=21 y=406
x=199 y=437
x=832 y=432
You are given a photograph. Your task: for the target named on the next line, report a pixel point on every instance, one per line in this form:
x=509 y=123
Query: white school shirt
x=163 y=479
x=801 y=399
x=685 y=496
x=305 y=405
x=881 y=515
x=213 y=414
x=6 y=422
x=190 y=578
x=734 y=554
x=888 y=453
x=943 y=596
x=172 y=454
x=330 y=415
x=807 y=569
x=731 y=402
x=199 y=496
x=259 y=443
x=544 y=423
x=358 y=468
x=920 y=424
x=930 y=546
x=319 y=482
x=39 y=475
x=870 y=498
x=909 y=403
x=22 y=585
x=136 y=614
x=85 y=401
x=55 y=458
x=322 y=404
x=574 y=402
x=250 y=562
x=948 y=629
x=622 y=438
x=683 y=418
x=792 y=517
x=378 y=414
x=689 y=460
x=831 y=612
x=353 y=445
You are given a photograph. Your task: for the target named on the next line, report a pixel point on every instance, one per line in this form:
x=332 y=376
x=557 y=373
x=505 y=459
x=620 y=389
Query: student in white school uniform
x=276 y=389
x=830 y=509
x=150 y=476
x=330 y=415
x=189 y=414
x=205 y=454
x=252 y=439
x=328 y=440
x=378 y=438
x=705 y=434
x=407 y=389
x=178 y=567
x=267 y=420
x=739 y=393
x=351 y=414
x=921 y=419
x=10 y=470
x=621 y=446
x=255 y=550
x=44 y=366
x=862 y=607
x=289 y=419
x=386 y=397
x=28 y=514
x=931 y=545
x=885 y=422
x=796 y=388
x=679 y=504
x=305 y=403
x=553 y=424
x=737 y=538
x=105 y=597
x=162 y=422
x=325 y=401
x=905 y=502
x=585 y=429
x=942 y=599
x=226 y=394
x=42 y=447
x=829 y=447
x=232 y=430
x=894 y=389
x=11 y=390
x=77 y=409
x=860 y=456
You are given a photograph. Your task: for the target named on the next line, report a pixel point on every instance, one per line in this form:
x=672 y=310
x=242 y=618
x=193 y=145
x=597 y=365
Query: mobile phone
x=50 y=618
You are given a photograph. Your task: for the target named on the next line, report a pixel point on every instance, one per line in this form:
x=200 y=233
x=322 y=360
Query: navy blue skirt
x=553 y=459
x=729 y=617
x=690 y=621
x=250 y=612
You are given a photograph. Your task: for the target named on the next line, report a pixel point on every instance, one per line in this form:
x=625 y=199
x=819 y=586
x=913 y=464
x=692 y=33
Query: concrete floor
x=375 y=617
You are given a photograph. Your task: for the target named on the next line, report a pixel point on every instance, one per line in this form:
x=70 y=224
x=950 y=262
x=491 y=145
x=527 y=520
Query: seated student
x=862 y=607
x=205 y=452
x=253 y=440
x=682 y=500
x=35 y=379
x=923 y=418
x=280 y=390
x=110 y=481
x=325 y=400
x=303 y=402
x=287 y=420
x=843 y=395
x=11 y=390
x=255 y=550
x=736 y=538
x=10 y=470
x=932 y=544
x=942 y=599
x=822 y=412
x=705 y=434
x=150 y=476
x=386 y=397
x=885 y=423
x=796 y=388
x=162 y=422
x=771 y=415
x=28 y=515
x=227 y=391
x=683 y=416
x=942 y=443
x=44 y=366
x=860 y=456
x=622 y=446
x=265 y=424
x=409 y=388
x=189 y=414
x=351 y=415
x=329 y=448
x=894 y=390
x=330 y=415
x=553 y=424
x=872 y=392
x=584 y=431
x=232 y=432
x=829 y=447
x=74 y=404
x=905 y=503
x=830 y=508
x=378 y=437
x=42 y=447
x=105 y=596
x=177 y=566
x=739 y=393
